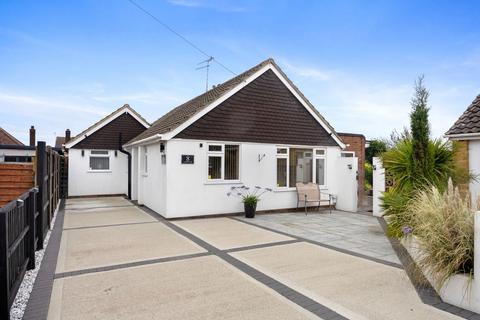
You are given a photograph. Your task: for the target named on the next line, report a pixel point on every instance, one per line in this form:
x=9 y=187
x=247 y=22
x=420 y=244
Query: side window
x=99 y=160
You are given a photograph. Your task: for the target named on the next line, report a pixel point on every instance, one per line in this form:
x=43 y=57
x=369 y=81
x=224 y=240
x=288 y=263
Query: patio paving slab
x=354 y=287
x=225 y=233
x=85 y=203
x=104 y=246
x=350 y=231
x=200 y=288
x=104 y=216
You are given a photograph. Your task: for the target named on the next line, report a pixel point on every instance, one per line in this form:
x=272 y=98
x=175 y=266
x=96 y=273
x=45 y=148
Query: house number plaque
x=187 y=158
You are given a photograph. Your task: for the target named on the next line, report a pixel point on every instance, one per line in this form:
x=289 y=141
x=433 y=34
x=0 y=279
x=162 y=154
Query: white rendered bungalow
x=256 y=129
x=97 y=163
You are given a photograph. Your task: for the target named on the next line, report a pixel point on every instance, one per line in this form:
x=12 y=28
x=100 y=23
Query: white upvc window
x=145 y=159
x=99 y=160
x=347 y=154
x=300 y=164
x=223 y=162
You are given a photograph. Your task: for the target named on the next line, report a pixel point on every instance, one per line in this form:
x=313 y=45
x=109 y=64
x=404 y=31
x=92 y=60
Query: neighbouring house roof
x=469 y=121
x=178 y=119
x=104 y=133
x=7 y=139
x=59 y=142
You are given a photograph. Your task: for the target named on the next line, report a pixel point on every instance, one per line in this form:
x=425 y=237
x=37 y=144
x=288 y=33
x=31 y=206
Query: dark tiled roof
x=264 y=111
x=7 y=139
x=59 y=142
x=469 y=121
x=125 y=106
x=182 y=113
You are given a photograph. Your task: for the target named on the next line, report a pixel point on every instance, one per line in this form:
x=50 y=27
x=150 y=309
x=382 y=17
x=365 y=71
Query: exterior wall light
x=350 y=166
x=83 y=152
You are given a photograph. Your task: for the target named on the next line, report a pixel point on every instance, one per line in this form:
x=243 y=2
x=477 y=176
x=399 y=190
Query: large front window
x=223 y=162
x=300 y=165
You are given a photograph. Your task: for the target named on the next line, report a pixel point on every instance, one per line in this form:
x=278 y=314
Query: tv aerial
x=205 y=64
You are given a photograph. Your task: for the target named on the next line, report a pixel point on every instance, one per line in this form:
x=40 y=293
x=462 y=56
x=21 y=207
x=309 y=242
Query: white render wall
x=378 y=186
x=474 y=164
x=84 y=182
x=182 y=190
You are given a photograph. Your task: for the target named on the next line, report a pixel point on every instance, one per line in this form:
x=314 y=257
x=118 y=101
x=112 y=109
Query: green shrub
x=368 y=176
x=443 y=224
x=250 y=200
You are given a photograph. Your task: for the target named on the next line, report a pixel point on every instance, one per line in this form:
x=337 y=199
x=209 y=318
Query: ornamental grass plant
x=443 y=225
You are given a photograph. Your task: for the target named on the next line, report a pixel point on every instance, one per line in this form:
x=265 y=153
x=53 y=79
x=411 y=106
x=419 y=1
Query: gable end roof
x=7 y=139
x=469 y=121
x=106 y=120
x=178 y=117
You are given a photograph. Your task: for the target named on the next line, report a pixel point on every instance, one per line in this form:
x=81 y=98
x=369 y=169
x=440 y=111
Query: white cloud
x=306 y=72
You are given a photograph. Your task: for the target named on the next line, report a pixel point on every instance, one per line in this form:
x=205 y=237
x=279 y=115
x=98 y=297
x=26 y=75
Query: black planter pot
x=250 y=210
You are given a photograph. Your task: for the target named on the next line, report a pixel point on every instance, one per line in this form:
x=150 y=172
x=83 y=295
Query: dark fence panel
x=17 y=246
x=24 y=223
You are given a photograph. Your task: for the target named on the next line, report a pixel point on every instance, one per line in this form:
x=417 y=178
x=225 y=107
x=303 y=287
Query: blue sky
x=65 y=64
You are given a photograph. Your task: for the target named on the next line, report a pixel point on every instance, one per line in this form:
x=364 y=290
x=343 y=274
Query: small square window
x=282 y=151
x=215 y=148
x=320 y=152
x=102 y=152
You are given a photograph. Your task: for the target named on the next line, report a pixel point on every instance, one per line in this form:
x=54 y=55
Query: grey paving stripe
x=263 y=245
x=287 y=292
x=39 y=301
x=425 y=291
x=129 y=265
x=109 y=225
x=99 y=207
x=325 y=245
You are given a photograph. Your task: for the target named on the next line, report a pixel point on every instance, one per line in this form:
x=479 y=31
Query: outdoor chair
x=310 y=193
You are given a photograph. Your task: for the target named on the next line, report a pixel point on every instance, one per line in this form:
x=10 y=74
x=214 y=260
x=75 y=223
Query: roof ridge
x=11 y=136
x=468 y=121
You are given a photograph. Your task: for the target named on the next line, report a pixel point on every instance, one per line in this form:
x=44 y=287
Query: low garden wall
x=460 y=290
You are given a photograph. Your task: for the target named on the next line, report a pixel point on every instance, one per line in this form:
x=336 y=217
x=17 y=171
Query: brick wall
x=356 y=143
x=461 y=160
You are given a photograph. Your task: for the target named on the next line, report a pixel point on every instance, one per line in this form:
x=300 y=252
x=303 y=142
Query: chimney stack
x=32 y=136
x=67 y=135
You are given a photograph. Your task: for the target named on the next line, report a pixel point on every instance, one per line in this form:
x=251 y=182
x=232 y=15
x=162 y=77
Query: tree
x=419 y=126
x=375 y=148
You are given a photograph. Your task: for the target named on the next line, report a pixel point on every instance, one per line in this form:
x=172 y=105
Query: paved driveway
x=117 y=261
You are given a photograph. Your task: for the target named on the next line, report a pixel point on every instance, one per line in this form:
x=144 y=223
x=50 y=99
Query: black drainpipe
x=120 y=148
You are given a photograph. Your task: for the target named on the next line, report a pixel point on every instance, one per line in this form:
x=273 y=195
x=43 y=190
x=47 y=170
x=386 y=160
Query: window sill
x=99 y=171
x=285 y=189
x=213 y=182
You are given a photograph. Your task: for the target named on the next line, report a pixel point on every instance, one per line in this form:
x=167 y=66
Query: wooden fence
x=15 y=179
x=24 y=223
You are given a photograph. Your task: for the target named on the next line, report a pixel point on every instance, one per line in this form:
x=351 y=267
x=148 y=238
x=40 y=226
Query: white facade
x=83 y=181
x=378 y=186
x=176 y=190
x=474 y=164
x=15 y=152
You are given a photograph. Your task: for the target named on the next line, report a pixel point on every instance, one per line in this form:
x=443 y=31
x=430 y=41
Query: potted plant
x=249 y=196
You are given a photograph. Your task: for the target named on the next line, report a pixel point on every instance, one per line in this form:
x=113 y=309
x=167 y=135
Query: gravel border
x=20 y=303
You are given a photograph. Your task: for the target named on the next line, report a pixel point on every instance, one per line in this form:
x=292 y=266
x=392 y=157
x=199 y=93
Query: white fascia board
x=103 y=123
x=463 y=136
x=309 y=109
x=149 y=140
x=210 y=107
x=269 y=66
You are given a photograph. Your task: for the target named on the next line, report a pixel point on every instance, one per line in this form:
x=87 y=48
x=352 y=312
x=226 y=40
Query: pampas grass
x=443 y=224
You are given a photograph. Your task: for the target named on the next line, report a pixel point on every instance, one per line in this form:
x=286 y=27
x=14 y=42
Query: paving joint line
x=294 y=296
x=109 y=225
x=321 y=244
x=260 y=246
x=100 y=207
x=129 y=265
x=425 y=291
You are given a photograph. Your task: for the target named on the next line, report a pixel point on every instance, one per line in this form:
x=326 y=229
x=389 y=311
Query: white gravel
x=23 y=294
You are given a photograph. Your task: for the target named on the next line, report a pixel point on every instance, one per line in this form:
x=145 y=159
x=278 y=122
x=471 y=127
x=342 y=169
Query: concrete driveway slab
x=225 y=233
x=96 y=202
x=352 y=286
x=200 y=288
x=105 y=246
x=105 y=216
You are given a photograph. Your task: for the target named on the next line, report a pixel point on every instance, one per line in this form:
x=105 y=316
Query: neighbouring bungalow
x=13 y=150
x=256 y=129
x=466 y=131
x=97 y=164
